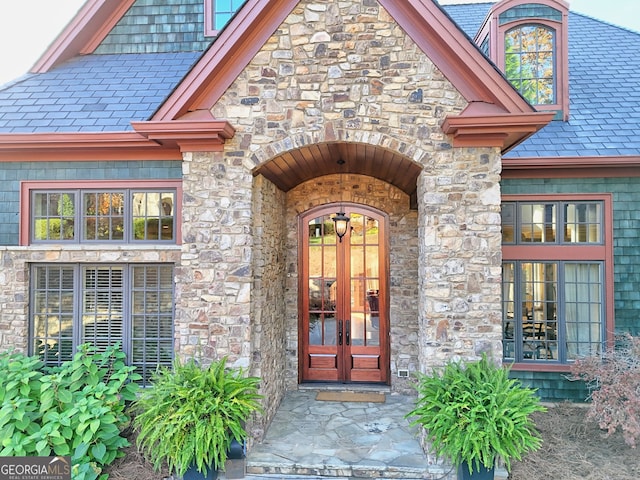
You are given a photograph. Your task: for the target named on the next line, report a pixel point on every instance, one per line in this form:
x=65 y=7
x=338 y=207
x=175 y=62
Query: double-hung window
x=555 y=278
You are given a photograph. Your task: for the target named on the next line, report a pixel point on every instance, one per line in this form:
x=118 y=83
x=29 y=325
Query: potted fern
x=474 y=413
x=190 y=415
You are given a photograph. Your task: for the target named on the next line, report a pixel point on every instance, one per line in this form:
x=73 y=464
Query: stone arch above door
x=294 y=161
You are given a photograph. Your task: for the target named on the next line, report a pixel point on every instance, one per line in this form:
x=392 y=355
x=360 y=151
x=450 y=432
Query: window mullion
x=78 y=286
x=126 y=313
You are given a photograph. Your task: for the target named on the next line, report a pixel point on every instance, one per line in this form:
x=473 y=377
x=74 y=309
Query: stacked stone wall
x=343 y=72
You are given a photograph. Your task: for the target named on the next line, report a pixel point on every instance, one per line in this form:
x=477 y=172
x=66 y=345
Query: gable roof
x=604 y=90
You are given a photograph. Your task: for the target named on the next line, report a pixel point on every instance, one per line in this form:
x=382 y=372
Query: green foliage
x=474 y=412
x=190 y=414
x=76 y=409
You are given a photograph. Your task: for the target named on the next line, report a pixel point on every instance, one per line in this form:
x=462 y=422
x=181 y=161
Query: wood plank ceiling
x=294 y=167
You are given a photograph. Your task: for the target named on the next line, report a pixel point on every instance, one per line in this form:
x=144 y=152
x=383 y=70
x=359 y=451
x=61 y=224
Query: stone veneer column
x=460 y=257
x=214 y=280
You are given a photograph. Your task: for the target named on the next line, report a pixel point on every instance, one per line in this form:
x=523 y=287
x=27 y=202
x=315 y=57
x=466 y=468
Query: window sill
x=538 y=367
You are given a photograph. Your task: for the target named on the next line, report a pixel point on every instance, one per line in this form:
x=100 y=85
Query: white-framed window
x=556 y=275
x=103 y=304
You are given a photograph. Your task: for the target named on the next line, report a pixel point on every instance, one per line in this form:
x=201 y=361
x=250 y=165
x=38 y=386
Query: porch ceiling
x=294 y=167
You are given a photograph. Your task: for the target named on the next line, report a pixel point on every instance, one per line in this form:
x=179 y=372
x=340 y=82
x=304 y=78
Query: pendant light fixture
x=340 y=219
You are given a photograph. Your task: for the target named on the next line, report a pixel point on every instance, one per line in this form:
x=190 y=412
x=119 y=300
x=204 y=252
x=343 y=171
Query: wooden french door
x=343 y=307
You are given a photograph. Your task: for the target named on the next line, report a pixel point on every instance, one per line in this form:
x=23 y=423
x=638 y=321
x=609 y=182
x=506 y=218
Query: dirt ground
x=572 y=450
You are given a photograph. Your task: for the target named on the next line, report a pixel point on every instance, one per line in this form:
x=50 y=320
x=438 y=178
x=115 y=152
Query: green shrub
x=473 y=412
x=76 y=409
x=190 y=414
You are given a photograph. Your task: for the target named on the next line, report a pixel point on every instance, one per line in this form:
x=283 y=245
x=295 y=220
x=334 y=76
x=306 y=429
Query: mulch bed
x=574 y=449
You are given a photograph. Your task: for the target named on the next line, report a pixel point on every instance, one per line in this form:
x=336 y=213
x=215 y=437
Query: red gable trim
x=194 y=132
x=432 y=30
x=83 y=34
x=232 y=51
x=454 y=54
x=493 y=129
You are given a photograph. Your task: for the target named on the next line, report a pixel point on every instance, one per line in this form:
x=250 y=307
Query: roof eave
x=502 y=130
x=82 y=147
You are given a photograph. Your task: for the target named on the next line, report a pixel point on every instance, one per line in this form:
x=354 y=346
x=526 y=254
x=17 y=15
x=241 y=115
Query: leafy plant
x=474 y=412
x=76 y=409
x=613 y=379
x=190 y=414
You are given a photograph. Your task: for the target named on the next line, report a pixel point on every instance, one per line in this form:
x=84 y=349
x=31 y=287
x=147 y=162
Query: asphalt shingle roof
x=92 y=93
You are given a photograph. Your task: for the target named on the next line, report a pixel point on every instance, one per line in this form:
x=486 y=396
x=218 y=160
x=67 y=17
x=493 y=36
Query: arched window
x=529 y=59
x=528 y=42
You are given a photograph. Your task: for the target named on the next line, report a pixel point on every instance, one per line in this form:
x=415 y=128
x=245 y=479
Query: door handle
x=348 y=331
x=339 y=332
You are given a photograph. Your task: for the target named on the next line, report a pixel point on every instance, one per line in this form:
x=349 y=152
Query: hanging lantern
x=342 y=222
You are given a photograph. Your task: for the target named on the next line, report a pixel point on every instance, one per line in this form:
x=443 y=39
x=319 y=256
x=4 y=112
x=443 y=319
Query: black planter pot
x=482 y=474
x=192 y=473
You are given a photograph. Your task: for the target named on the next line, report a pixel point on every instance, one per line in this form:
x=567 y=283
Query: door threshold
x=345 y=387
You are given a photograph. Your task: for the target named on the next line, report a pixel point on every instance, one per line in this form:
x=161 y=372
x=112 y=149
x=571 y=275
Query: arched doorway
x=343 y=307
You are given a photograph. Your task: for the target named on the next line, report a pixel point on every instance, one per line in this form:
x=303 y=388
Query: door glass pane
x=315 y=261
x=371 y=231
x=315 y=329
x=372 y=264
x=329 y=231
x=357 y=329
x=373 y=333
x=315 y=294
x=330 y=294
x=330 y=330
x=357 y=261
x=357 y=228
x=329 y=261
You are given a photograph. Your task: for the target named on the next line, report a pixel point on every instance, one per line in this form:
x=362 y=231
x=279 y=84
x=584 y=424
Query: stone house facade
x=296 y=111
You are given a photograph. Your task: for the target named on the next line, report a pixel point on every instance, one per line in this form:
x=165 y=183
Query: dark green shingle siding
x=553 y=386
x=12 y=173
x=152 y=26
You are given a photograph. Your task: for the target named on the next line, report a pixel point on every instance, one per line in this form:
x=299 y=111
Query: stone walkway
x=320 y=439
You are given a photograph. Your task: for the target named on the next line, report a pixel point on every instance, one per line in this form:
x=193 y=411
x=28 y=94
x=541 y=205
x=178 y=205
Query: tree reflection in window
x=530 y=62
